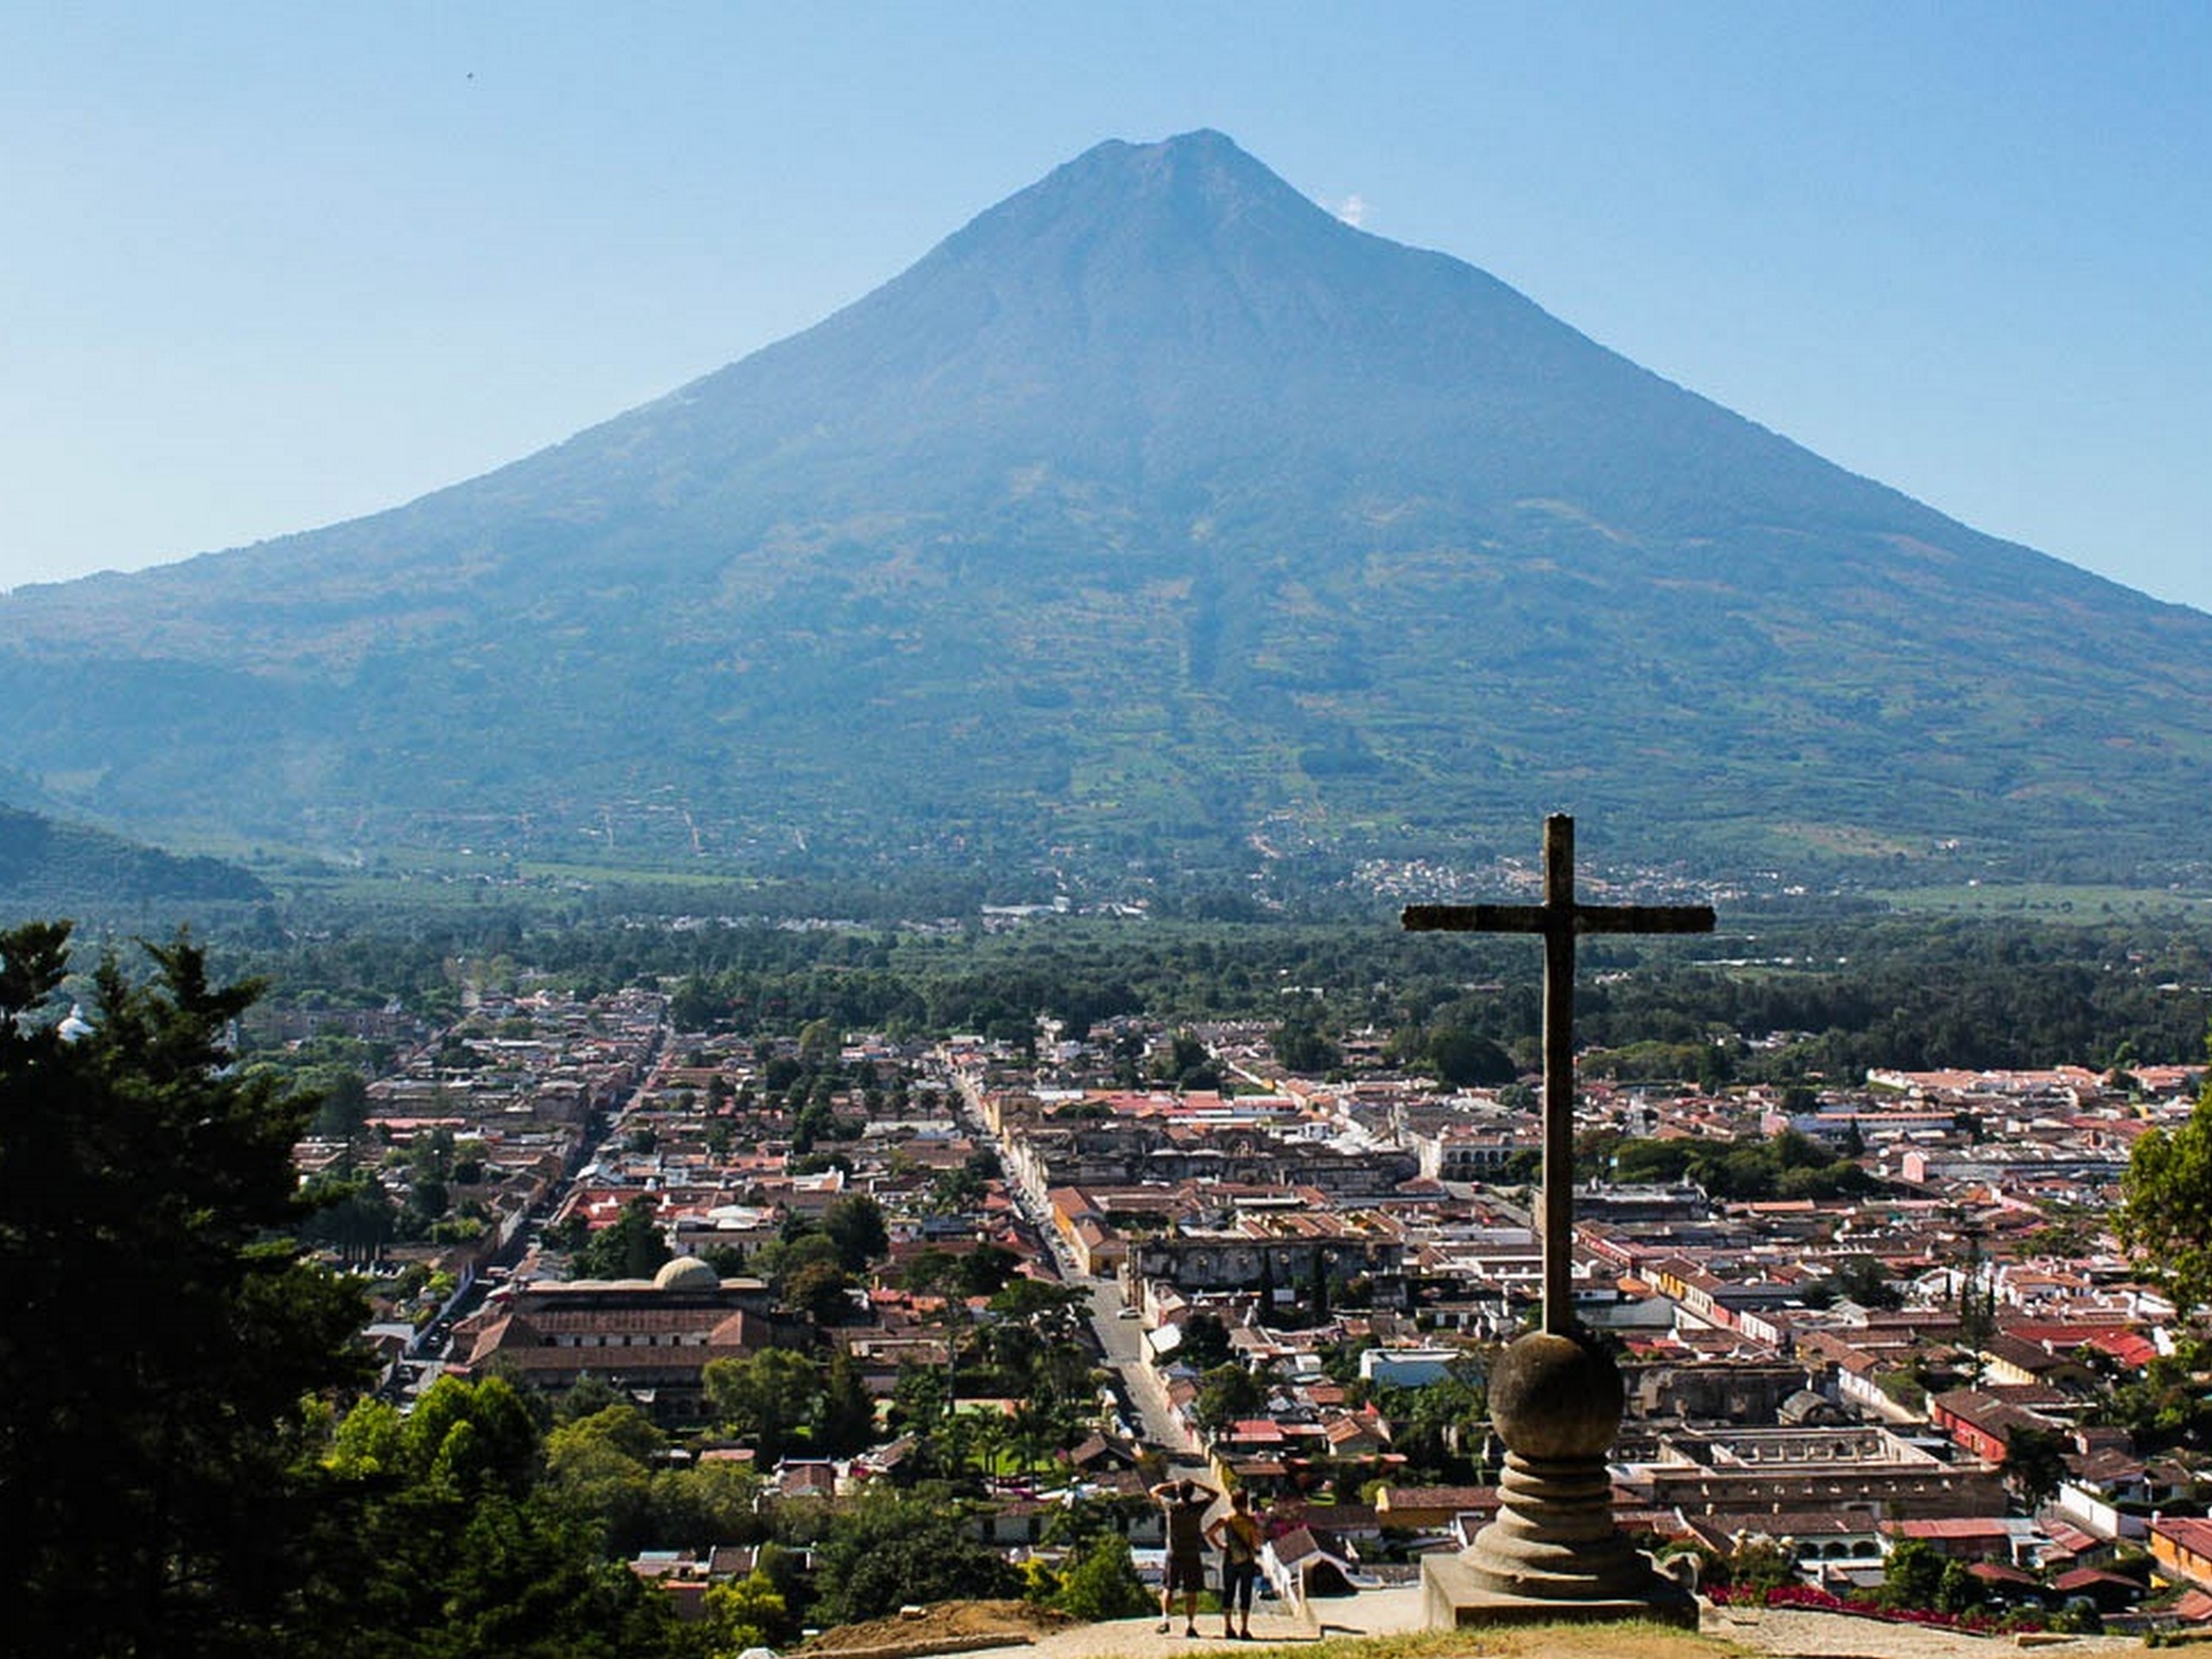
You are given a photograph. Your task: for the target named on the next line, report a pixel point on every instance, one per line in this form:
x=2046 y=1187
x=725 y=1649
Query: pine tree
x=163 y=1330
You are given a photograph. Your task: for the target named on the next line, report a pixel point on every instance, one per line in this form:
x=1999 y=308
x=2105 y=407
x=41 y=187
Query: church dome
x=687 y=1273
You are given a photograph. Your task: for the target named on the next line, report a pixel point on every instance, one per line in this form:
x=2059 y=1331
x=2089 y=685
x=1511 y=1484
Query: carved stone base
x=1552 y=1552
x=1554 y=1537
x=1452 y=1599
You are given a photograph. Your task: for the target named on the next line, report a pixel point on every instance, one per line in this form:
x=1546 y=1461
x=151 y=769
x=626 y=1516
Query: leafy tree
x=845 y=1415
x=1912 y=1577
x=890 y=1551
x=1958 y=1591
x=2165 y=1213
x=2163 y=1405
x=353 y=1217
x=1437 y=1427
x=818 y=1042
x=455 y=1550
x=782 y=1260
x=1036 y=1301
x=599 y=1468
x=1100 y=1581
x=957 y=1191
x=855 y=1226
x=1300 y=1047
x=162 y=1333
x=2035 y=1463
x=815 y=1291
x=815 y=1122
x=342 y=1113
x=630 y=1248
x=1465 y=1059
x=985 y=1270
x=1642 y=1160
x=694 y=1006
x=714 y=1499
x=767 y=1398
x=1756 y=1564
x=917 y=1397
x=1864 y=1279
x=472 y=1439
x=1186 y=1064
x=750 y=1612
x=589 y=1395
x=1205 y=1343
x=1226 y=1394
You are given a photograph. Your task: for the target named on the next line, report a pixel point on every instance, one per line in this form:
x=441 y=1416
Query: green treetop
x=2165 y=1214
x=163 y=1332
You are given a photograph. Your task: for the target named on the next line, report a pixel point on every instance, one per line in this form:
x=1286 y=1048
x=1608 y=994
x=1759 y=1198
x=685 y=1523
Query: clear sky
x=263 y=267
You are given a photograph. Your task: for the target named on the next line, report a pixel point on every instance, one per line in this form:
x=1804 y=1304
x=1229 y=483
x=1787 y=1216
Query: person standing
x=1185 y=1503
x=1238 y=1537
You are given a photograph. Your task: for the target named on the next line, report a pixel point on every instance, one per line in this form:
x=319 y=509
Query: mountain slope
x=50 y=868
x=1154 y=509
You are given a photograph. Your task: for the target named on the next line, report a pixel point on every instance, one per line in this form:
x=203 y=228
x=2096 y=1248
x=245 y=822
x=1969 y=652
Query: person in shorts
x=1185 y=1503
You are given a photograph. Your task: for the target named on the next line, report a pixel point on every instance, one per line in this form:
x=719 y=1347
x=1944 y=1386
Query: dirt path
x=1786 y=1633
x=1793 y=1631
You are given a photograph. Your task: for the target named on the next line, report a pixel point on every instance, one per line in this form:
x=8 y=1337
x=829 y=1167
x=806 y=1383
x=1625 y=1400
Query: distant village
x=1275 y=1273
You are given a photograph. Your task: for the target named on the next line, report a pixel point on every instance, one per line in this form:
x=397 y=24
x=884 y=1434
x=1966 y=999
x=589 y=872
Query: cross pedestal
x=1553 y=1552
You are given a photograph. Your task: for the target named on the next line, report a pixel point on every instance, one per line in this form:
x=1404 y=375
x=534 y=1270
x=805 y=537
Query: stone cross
x=1559 y=920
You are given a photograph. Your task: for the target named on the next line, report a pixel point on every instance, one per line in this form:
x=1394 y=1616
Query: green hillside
x=49 y=868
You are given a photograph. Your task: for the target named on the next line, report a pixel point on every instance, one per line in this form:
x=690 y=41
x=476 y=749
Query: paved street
x=1122 y=1342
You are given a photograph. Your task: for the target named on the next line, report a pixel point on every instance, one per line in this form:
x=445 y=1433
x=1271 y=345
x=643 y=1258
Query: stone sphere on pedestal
x=1555 y=1397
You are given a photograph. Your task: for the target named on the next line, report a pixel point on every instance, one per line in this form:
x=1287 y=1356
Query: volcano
x=1155 y=525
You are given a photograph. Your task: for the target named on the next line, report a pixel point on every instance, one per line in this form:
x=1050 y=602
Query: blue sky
x=267 y=267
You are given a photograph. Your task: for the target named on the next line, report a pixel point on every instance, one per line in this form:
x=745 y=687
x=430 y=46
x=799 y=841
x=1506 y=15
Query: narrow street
x=1121 y=1341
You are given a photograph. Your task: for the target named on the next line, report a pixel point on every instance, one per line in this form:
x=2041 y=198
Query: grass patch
x=1635 y=1639
x=1851 y=841
x=2050 y=902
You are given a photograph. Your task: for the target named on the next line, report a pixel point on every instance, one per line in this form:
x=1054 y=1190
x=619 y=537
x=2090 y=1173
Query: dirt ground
x=947 y=1627
x=1014 y=1630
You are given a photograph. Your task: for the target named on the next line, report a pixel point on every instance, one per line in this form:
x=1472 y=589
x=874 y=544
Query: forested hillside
x=48 y=867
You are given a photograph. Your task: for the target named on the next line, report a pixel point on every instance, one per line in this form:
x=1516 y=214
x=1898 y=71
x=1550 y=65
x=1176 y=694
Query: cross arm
x=1538 y=919
x=1644 y=918
x=1473 y=919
